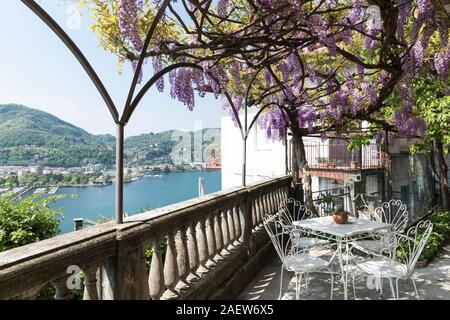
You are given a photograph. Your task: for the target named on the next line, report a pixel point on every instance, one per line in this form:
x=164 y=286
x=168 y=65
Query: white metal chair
x=393 y=212
x=399 y=263
x=295 y=259
x=291 y=210
x=365 y=209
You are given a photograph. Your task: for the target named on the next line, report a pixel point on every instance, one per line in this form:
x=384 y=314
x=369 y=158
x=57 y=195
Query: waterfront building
x=36 y=169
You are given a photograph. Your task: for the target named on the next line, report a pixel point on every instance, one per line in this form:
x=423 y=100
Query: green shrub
x=28 y=220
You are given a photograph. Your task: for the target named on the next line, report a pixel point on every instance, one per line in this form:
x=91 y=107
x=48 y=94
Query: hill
x=30 y=136
x=33 y=137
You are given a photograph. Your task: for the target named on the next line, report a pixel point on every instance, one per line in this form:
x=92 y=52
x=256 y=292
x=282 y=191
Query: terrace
x=212 y=247
x=215 y=246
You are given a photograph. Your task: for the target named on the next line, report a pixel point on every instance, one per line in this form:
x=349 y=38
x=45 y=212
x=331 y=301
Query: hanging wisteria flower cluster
x=230 y=40
x=128 y=16
x=275 y=121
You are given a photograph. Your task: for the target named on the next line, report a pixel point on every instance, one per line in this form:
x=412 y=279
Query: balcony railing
x=337 y=156
x=208 y=247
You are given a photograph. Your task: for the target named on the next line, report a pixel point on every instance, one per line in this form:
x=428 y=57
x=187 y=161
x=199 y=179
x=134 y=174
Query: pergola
x=259 y=52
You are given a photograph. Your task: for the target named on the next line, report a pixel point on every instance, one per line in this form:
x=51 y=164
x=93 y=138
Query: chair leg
x=298 y=285
x=281 y=282
x=306 y=282
x=415 y=288
x=396 y=288
x=381 y=287
x=332 y=283
x=392 y=288
x=354 y=288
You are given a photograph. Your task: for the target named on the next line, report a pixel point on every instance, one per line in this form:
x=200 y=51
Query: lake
x=147 y=193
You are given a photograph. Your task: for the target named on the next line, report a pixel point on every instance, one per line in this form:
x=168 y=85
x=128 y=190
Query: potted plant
x=354 y=164
x=322 y=161
x=340 y=216
x=332 y=164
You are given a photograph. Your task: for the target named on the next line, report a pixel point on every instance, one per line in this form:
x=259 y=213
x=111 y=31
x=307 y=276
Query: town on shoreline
x=18 y=180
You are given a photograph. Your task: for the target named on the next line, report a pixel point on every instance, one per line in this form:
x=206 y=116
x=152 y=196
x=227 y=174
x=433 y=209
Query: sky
x=38 y=71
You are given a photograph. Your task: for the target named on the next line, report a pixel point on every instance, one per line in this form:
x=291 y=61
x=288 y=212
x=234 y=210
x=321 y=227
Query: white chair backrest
x=393 y=212
x=292 y=210
x=363 y=209
x=409 y=246
x=278 y=234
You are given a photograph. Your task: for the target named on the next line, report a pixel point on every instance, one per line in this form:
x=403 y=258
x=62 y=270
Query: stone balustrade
x=205 y=248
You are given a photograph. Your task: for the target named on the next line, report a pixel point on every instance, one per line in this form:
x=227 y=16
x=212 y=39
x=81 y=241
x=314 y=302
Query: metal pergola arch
x=131 y=104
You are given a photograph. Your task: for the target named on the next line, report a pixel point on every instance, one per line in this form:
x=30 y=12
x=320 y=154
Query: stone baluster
x=275 y=200
x=218 y=235
x=266 y=204
x=237 y=222
x=247 y=223
x=211 y=241
x=225 y=230
x=202 y=246
x=62 y=289
x=156 y=276
x=279 y=197
x=259 y=211
x=272 y=195
x=194 y=261
x=254 y=216
x=269 y=202
x=231 y=226
x=170 y=269
x=263 y=210
x=182 y=259
x=90 y=282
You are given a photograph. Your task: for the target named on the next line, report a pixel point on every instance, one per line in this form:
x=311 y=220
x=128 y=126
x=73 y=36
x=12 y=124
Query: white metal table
x=343 y=234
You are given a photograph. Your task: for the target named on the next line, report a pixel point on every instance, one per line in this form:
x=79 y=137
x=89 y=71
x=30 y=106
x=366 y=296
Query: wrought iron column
x=244 y=141
x=244 y=160
x=119 y=173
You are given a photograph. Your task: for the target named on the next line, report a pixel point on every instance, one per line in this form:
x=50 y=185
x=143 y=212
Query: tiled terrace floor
x=433 y=282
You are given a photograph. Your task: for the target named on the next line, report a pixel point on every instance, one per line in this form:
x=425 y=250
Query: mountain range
x=29 y=136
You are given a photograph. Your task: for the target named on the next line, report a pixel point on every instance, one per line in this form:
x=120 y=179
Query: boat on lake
x=53 y=190
x=40 y=190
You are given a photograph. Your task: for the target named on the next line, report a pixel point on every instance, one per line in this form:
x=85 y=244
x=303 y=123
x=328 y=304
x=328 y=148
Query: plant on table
x=340 y=216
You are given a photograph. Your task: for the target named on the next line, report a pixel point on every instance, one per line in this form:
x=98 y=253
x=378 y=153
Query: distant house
x=36 y=169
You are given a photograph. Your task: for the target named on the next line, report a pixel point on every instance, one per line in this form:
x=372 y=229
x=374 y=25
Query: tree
x=220 y=48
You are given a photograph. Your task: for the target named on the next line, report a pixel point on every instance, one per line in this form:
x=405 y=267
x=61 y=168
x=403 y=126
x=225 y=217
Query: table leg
x=341 y=266
x=346 y=271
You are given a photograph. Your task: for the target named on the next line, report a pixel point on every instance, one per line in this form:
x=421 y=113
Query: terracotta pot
x=340 y=218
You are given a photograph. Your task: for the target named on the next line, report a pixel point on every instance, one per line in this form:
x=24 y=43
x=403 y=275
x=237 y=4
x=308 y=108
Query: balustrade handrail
x=36 y=264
